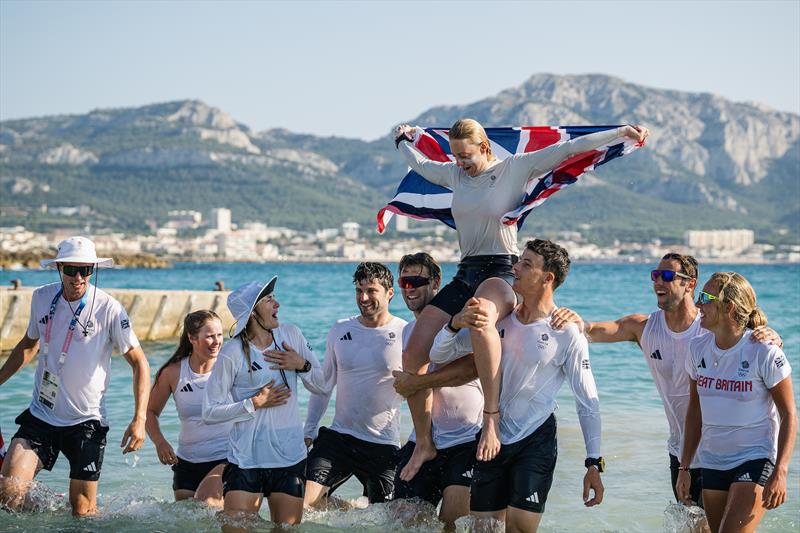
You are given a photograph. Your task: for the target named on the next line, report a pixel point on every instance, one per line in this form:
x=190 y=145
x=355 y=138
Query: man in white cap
x=73 y=326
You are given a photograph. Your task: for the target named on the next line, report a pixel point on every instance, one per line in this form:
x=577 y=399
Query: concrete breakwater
x=154 y=314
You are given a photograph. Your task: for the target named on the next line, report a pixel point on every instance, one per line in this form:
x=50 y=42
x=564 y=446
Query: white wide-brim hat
x=77 y=250
x=242 y=301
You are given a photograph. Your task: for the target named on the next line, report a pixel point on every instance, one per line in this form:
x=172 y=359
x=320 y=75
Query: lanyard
x=48 y=330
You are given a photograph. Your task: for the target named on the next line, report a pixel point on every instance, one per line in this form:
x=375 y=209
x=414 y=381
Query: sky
x=354 y=69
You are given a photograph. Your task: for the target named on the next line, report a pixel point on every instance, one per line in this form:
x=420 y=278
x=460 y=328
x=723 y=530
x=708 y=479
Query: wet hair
x=471 y=130
x=735 y=289
x=422 y=259
x=556 y=258
x=688 y=263
x=369 y=271
x=192 y=324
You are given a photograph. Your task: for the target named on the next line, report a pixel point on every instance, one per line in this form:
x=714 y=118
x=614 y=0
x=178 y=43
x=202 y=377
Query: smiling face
x=711 y=314
x=373 y=299
x=418 y=297
x=669 y=294
x=267 y=311
x=208 y=341
x=74 y=286
x=471 y=157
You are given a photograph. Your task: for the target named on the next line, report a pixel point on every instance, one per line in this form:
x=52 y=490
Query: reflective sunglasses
x=706 y=298
x=72 y=270
x=667 y=275
x=413 y=282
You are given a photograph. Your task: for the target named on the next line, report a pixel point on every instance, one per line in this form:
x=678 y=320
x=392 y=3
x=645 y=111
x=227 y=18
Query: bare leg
x=744 y=510
x=285 y=509
x=83 y=497
x=241 y=507
x=455 y=504
x=521 y=521
x=488 y=522
x=498 y=300
x=20 y=466
x=714 y=504
x=415 y=360
x=316 y=494
x=209 y=491
x=183 y=494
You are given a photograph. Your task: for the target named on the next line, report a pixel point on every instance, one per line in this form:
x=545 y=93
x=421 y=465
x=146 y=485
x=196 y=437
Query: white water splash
x=132 y=460
x=679 y=518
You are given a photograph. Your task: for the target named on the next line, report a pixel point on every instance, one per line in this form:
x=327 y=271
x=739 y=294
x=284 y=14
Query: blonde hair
x=471 y=130
x=735 y=289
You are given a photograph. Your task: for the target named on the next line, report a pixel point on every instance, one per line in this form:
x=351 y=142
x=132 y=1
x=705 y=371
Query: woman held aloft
x=251 y=385
x=202 y=448
x=741 y=421
x=484 y=188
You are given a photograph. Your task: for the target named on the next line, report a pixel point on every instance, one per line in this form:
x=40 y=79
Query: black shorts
x=188 y=475
x=520 y=476
x=451 y=466
x=755 y=471
x=696 y=474
x=472 y=271
x=289 y=480
x=337 y=456
x=82 y=444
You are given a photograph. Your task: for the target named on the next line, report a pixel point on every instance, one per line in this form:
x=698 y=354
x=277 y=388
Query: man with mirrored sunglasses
x=73 y=326
x=664 y=337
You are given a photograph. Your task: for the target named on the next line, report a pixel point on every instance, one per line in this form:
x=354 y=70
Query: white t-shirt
x=83 y=378
x=359 y=361
x=666 y=353
x=198 y=442
x=536 y=359
x=457 y=414
x=740 y=422
x=271 y=437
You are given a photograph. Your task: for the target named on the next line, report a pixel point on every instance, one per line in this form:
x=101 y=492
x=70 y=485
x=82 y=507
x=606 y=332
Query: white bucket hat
x=242 y=301
x=77 y=250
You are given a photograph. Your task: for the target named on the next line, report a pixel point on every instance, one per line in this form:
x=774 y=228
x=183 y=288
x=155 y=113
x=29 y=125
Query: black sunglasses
x=72 y=270
x=413 y=282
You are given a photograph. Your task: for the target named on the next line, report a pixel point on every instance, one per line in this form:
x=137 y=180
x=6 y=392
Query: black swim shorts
x=187 y=475
x=451 y=466
x=472 y=271
x=756 y=471
x=289 y=480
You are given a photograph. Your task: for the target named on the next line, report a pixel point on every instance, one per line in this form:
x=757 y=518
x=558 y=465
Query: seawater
x=135 y=489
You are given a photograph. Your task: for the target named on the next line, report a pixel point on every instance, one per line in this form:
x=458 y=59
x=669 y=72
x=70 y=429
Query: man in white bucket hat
x=73 y=326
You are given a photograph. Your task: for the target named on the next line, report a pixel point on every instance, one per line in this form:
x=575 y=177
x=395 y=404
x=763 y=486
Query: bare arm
x=159 y=394
x=20 y=356
x=459 y=372
x=626 y=329
x=691 y=439
x=775 y=488
x=133 y=438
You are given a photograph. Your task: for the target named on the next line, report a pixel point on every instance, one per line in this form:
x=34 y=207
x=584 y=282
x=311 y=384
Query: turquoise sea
x=135 y=490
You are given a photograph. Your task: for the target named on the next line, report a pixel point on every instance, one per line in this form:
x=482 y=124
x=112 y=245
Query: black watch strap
x=306 y=367
x=400 y=138
x=599 y=463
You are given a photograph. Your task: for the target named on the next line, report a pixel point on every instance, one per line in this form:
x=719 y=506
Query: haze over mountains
x=709 y=163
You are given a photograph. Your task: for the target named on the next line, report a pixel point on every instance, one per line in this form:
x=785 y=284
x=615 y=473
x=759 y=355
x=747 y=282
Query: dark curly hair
x=369 y=271
x=556 y=258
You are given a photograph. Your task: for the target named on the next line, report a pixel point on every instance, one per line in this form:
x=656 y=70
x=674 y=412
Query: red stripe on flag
x=541 y=137
x=576 y=165
x=431 y=149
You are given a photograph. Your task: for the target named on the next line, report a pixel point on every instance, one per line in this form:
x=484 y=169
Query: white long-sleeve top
x=536 y=359
x=359 y=361
x=271 y=437
x=479 y=202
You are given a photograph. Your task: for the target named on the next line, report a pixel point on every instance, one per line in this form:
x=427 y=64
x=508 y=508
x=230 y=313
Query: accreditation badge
x=48 y=389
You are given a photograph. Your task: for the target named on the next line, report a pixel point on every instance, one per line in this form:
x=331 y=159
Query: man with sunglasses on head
x=457 y=407
x=664 y=337
x=360 y=354
x=73 y=326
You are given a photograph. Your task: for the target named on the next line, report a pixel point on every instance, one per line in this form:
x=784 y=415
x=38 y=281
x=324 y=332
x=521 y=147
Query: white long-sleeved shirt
x=536 y=359
x=359 y=361
x=479 y=202
x=271 y=437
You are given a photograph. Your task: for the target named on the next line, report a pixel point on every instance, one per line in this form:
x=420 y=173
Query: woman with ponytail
x=742 y=419
x=202 y=449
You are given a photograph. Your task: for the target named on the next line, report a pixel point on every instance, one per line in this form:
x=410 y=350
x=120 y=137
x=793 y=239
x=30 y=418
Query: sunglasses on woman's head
x=413 y=282
x=706 y=298
x=667 y=275
x=73 y=270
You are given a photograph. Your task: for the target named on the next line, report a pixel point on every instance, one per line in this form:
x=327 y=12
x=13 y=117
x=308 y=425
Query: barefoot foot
x=422 y=454
x=489 y=445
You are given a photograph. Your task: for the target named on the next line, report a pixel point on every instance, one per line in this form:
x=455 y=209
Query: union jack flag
x=416 y=197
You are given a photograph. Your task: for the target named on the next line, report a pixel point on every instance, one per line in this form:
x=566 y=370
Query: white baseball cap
x=77 y=250
x=242 y=301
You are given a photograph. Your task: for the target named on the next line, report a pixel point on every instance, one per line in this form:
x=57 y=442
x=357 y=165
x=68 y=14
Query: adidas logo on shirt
x=585 y=364
x=346 y=337
x=90 y=467
x=44 y=319
x=745 y=477
x=656 y=355
x=533 y=498
x=702 y=363
x=187 y=388
x=467 y=474
x=254 y=366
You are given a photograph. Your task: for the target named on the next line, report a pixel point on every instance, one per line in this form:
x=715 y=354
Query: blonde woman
x=202 y=448
x=741 y=421
x=254 y=385
x=484 y=188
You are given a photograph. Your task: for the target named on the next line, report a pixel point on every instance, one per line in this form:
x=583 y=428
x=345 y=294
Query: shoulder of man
x=46 y=292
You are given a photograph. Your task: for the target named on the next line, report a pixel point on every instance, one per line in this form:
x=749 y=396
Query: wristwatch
x=599 y=463
x=306 y=367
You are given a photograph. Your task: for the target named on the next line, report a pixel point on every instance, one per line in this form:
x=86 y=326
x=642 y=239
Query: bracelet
x=684 y=468
x=491 y=412
x=400 y=138
x=451 y=327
